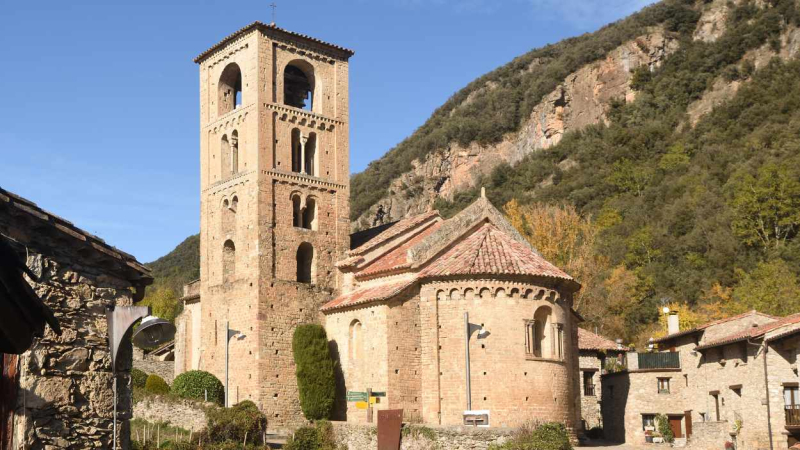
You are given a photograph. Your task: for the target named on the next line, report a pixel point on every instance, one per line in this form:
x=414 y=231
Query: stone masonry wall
x=164 y=369
x=65 y=389
x=363 y=436
x=185 y=414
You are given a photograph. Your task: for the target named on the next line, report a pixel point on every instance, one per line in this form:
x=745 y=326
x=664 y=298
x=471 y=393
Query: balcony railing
x=666 y=360
x=792 y=416
x=588 y=390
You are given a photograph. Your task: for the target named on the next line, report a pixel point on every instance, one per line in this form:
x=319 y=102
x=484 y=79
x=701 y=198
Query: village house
x=59 y=393
x=595 y=354
x=276 y=251
x=731 y=380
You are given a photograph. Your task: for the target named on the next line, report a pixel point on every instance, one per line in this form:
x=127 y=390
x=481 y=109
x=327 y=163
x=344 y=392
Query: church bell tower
x=274 y=208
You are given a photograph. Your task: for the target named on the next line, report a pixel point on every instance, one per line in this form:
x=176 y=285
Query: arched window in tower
x=225 y=156
x=311 y=155
x=355 y=345
x=297 y=149
x=230 y=89
x=310 y=214
x=298 y=85
x=296 y=212
x=228 y=261
x=542 y=336
x=234 y=152
x=305 y=263
x=234 y=203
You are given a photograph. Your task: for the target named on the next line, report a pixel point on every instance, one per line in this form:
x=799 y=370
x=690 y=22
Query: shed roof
x=591 y=341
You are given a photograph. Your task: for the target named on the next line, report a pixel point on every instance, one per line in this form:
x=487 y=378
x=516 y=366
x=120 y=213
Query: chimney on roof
x=619 y=343
x=673 y=324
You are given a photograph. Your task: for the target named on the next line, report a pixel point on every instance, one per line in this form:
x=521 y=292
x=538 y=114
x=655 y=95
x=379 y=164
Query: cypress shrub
x=156 y=385
x=194 y=384
x=316 y=378
x=138 y=378
x=318 y=437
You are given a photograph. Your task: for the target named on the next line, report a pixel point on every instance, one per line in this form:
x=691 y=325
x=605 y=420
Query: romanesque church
x=398 y=301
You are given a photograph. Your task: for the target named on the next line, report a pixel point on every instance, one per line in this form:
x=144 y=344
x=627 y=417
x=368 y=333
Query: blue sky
x=99 y=112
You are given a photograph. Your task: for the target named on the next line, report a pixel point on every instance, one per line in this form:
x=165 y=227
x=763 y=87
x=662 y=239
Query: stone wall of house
x=362 y=436
x=711 y=436
x=65 y=396
x=185 y=414
x=590 y=362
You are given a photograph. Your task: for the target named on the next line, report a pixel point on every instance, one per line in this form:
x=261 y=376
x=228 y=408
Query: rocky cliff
x=582 y=98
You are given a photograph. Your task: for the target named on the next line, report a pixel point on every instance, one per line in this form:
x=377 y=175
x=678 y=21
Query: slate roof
x=45 y=218
x=271 y=26
x=753 y=332
x=711 y=324
x=360 y=238
x=591 y=341
x=398 y=258
x=369 y=294
x=394 y=231
x=489 y=251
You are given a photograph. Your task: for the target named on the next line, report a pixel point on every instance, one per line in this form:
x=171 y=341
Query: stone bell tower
x=274 y=208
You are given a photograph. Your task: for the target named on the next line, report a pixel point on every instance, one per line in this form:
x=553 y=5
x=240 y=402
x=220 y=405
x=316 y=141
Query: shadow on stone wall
x=340 y=405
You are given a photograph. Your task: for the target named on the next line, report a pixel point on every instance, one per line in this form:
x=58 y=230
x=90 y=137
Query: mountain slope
x=177 y=267
x=483 y=116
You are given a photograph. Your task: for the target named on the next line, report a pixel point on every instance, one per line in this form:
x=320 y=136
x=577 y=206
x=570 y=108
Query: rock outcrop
x=582 y=99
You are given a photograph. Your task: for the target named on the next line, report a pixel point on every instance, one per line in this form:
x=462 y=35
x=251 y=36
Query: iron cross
x=273 y=6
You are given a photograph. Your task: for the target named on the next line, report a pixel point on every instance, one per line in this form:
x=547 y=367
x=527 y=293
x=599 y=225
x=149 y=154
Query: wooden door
x=8 y=398
x=688 y=415
x=675 y=424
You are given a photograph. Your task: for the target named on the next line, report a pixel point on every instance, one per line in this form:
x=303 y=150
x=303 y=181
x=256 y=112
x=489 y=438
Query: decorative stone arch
x=528 y=294
x=234 y=152
x=301 y=89
x=224 y=156
x=500 y=293
x=234 y=203
x=306 y=270
x=455 y=294
x=297 y=209
x=355 y=343
x=441 y=295
x=469 y=294
x=514 y=293
x=485 y=293
x=229 y=89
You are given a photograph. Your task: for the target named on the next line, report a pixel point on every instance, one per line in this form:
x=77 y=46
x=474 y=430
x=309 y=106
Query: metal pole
x=115 y=410
x=466 y=352
x=227 y=342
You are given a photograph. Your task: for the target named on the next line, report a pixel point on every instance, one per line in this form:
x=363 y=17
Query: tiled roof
x=369 y=294
x=69 y=230
x=590 y=341
x=397 y=258
x=360 y=238
x=711 y=324
x=272 y=26
x=397 y=229
x=753 y=332
x=489 y=251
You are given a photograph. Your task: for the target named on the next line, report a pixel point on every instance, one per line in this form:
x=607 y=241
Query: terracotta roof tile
x=713 y=323
x=272 y=26
x=367 y=295
x=490 y=251
x=590 y=341
x=397 y=229
x=752 y=332
x=397 y=258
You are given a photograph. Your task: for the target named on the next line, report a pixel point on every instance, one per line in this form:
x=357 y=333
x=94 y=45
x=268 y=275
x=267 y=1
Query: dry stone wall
x=185 y=414
x=361 y=436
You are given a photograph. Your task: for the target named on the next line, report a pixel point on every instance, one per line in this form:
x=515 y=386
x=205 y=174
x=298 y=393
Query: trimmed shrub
x=138 y=378
x=664 y=429
x=195 y=383
x=156 y=385
x=318 y=437
x=316 y=379
x=234 y=423
x=545 y=436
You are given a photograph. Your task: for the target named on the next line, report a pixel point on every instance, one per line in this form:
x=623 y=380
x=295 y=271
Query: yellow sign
x=373 y=400
x=361 y=405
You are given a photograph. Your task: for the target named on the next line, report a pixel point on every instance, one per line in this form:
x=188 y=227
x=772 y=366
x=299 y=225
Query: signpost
x=355 y=396
x=365 y=400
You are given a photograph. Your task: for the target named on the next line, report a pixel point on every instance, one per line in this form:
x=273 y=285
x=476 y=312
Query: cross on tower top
x=273 y=6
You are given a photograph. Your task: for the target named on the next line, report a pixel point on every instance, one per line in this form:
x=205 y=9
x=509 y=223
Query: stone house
x=59 y=393
x=399 y=322
x=731 y=380
x=594 y=352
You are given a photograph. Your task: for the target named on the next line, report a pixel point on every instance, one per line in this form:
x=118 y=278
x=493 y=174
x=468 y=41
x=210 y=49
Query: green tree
x=767 y=207
x=772 y=288
x=156 y=385
x=316 y=379
x=197 y=384
x=163 y=303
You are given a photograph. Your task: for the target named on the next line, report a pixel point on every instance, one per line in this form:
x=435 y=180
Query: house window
x=588 y=384
x=663 y=385
x=716 y=406
x=791 y=397
x=648 y=422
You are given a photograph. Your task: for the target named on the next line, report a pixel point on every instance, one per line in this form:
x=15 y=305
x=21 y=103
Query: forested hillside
x=171 y=272
x=704 y=218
